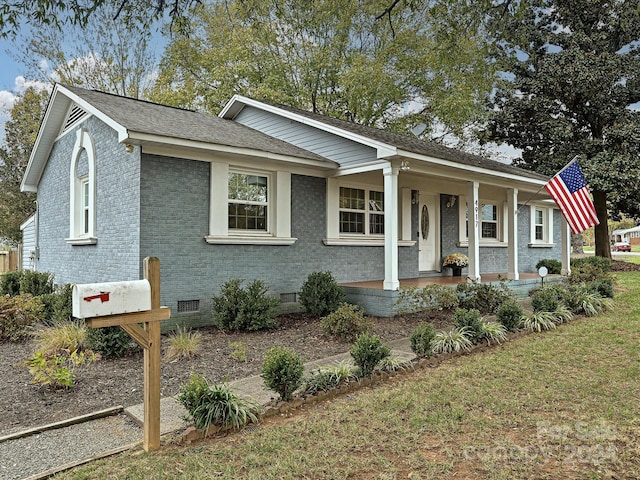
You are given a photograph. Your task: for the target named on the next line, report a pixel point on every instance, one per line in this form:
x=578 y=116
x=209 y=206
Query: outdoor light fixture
x=451 y=202
x=404 y=166
x=128 y=147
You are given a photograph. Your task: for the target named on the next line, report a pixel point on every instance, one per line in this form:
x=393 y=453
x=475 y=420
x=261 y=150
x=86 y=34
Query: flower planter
x=457 y=271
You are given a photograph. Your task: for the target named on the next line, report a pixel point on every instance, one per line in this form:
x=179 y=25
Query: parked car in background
x=621 y=247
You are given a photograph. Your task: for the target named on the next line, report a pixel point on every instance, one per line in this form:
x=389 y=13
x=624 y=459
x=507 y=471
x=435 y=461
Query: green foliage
x=215 y=405
x=393 y=364
x=584 y=299
x=484 y=297
x=239 y=351
x=470 y=321
x=421 y=340
x=346 y=323
x=510 y=314
x=10 y=283
x=493 y=332
x=282 y=371
x=327 y=378
x=546 y=299
x=36 y=283
x=183 y=344
x=238 y=308
x=57 y=370
x=70 y=336
x=432 y=298
x=538 y=321
x=553 y=266
x=589 y=269
x=600 y=263
x=58 y=305
x=603 y=286
x=111 y=342
x=367 y=351
x=454 y=340
x=320 y=294
x=18 y=315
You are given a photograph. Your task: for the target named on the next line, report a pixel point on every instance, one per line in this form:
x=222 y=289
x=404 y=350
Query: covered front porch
x=377 y=301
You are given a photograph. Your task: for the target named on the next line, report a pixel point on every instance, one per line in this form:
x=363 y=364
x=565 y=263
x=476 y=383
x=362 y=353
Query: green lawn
x=559 y=404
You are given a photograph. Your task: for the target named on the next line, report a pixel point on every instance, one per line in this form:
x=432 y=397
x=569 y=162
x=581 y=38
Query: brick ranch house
x=269 y=192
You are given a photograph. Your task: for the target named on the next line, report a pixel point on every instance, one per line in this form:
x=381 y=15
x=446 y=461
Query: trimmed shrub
x=367 y=352
x=10 y=283
x=320 y=294
x=421 y=339
x=553 y=266
x=250 y=308
x=470 y=321
x=36 y=283
x=509 y=314
x=602 y=286
x=282 y=371
x=58 y=306
x=111 y=342
x=546 y=299
x=18 y=315
x=589 y=269
x=215 y=405
x=346 y=323
x=484 y=297
x=432 y=298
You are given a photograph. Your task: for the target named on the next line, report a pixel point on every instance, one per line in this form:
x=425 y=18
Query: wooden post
x=151 y=439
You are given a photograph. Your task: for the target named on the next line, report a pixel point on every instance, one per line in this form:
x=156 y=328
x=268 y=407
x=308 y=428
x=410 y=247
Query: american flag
x=569 y=190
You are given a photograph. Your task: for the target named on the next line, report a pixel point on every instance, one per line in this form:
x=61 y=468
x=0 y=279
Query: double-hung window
x=491 y=216
x=541 y=226
x=489 y=221
x=248 y=202
x=82 y=194
x=361 y=211
x=86 y=205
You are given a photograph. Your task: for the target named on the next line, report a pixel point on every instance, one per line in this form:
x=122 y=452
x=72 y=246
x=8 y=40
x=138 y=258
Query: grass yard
x=559 y=404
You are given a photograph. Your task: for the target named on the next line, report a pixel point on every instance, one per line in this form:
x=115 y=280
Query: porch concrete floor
x=422 y=282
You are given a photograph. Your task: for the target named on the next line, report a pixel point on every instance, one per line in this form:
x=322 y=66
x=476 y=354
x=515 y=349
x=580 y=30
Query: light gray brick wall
x=115 y=257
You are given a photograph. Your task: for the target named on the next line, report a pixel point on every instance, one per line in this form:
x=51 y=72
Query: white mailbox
x=100 y=299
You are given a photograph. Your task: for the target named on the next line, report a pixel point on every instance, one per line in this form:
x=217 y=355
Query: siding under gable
x=344 y=152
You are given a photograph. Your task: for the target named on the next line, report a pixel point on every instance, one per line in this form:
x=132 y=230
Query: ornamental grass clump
x=493 y=332
x=183 y=344
x=367 y=351
x=282 y=371
x=454 y=340
x=327 y=378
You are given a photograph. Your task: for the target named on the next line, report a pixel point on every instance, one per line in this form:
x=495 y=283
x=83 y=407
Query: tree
x=571 y=75
x=333 y=56
x=20 y=135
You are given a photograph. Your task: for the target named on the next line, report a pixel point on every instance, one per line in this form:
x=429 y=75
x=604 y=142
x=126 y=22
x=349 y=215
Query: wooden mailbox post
x=147 y=336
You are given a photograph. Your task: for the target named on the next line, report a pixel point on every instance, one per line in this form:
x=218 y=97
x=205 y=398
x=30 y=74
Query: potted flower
x=456 y=261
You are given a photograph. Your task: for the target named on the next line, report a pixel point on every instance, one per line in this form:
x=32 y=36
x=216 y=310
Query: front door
x=427 y=234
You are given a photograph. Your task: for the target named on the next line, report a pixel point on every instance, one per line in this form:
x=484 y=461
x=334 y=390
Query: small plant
x=70 y=337
x=111 y=342
x=562 y=314
x=554 y=267
x=539 y=321
x=421 y=339
x=10 y=283
x=327 y=378
x=57 y=305
x=455 y=260
x=582 y=299
x=215 y=405
x=432 y=298
x=471 y=321
x=57 y=370
x=509 y=314
x=183 y=344
x=454 y=340
x=393 y=364
x=602 y=286
x=36 y=283
x=238 y=308
x=367 y=352
x=493 y=332
x=346 y=323
x=320 y=294
x=484 y=297
x=239 y=351
x=282 y=371
x=546 y=299
x=18 y=315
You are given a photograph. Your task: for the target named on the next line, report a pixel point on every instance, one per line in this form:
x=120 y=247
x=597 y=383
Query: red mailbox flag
x=569 y=190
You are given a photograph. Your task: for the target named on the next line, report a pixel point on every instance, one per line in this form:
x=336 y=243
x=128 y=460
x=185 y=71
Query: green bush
x=484 y=297
x=215 y=405
x=10 y=283
x=601 y=263
x=509 y=314
x=432 y=298
x=553 y=266
x=589 y=269
x=111 y=342
x=421 y=340
x=238 y=308
x=57 y=370
x=367 y=352
x=470 y=321
x=320 y=294
x=18 y=315
x=36 y=283
x=346 y=323
x=58 y=306
x=282 y=371
x=546 y=299
x=603 y=287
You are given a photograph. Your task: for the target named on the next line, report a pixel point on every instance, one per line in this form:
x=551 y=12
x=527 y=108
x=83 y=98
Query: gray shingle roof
x=152 y=118
x=413 y=144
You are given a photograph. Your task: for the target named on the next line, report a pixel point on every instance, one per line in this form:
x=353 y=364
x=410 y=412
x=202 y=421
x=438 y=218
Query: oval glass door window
x=424 y=222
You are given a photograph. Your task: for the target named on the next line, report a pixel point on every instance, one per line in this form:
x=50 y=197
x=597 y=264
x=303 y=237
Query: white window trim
x=278 y=209
x=77 y=235
x=547 y=241
x=335 y=238
x=500 y=242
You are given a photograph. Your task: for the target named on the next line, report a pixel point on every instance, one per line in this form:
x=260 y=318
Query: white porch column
x=473 y=205
x=391 y=206
x=566 y=247
x=512 y=234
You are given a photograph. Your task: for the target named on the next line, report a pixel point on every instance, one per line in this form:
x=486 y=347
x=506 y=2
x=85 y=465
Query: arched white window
x=82 y=191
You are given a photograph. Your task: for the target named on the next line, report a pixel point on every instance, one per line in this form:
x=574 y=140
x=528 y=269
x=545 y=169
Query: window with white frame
x=489 y=212
x=85 y=204
x=361 y=211
x=491 y=215
x=541 y=226
x=82 y=195
x=248 y=202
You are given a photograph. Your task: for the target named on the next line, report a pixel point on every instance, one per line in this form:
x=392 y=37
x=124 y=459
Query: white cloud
x=8 y=97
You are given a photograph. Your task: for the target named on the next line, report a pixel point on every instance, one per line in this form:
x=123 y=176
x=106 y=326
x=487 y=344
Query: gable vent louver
x=75 y=115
